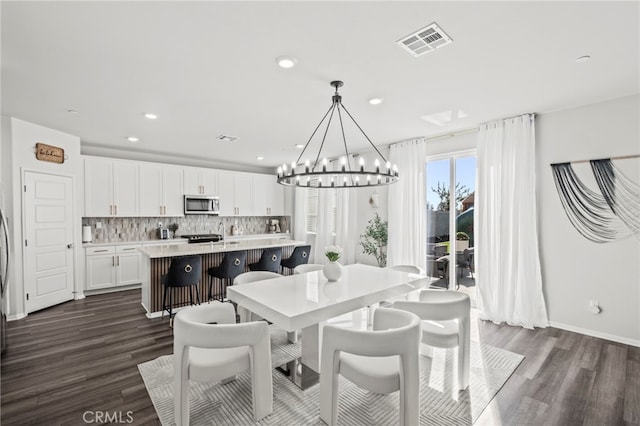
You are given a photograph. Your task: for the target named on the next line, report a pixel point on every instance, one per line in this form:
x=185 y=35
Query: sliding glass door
x=450 y=187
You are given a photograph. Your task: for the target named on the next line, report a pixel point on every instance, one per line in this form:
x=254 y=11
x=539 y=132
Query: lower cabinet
x=113 y=266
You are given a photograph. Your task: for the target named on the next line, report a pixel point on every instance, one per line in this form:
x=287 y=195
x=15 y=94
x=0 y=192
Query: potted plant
x=332 y=269
x=374 y=240
x=462 y=241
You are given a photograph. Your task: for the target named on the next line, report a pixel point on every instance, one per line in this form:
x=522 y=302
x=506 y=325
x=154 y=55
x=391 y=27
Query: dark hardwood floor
x=82 y=357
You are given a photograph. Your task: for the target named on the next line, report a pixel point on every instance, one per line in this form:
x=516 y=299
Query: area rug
x=230 y=404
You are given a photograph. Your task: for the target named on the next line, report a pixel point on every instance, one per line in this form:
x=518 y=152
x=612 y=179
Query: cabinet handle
x=118 y=261
x=100 y=251
x=164 y=210
x=113 y=261
x=110 y=209
x=202 y=189
x=127 y=249
x=116 y=209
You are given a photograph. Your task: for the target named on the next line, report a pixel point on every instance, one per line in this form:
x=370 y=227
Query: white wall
x=19 y=139
x=575 y=270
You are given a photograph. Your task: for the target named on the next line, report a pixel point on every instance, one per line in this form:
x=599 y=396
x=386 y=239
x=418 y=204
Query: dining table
x=305 y=301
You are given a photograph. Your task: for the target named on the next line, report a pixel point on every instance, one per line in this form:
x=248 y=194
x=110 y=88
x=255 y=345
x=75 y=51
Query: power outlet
x=594 y=307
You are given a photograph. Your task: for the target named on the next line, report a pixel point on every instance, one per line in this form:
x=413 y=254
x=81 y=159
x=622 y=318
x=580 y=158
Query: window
x=312 y=209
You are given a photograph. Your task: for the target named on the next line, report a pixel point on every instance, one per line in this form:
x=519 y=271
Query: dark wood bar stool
x=269 y=261
x=300 y=256
x=232 y=265
x=183 y=272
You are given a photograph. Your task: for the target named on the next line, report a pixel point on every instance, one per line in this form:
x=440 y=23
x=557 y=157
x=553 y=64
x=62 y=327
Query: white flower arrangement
x=333 y=253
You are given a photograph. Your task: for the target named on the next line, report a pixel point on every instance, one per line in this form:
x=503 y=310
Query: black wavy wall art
x=611 y=212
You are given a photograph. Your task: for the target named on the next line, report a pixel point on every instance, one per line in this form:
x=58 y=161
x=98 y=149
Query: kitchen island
x=156 y=261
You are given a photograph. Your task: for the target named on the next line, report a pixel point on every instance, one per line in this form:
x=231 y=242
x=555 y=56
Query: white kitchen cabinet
x=200 y=181
x=100 y=268
x=110 y=187
x=113 y=266
x=160 y=190
x=235 y=192
x=268 y=196
x=172 y=191
x=128 y=265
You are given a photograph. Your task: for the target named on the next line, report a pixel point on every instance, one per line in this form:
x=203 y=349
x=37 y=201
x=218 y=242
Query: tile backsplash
x=115 y=229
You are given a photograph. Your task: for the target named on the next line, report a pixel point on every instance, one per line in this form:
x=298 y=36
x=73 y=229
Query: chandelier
x=317 y=175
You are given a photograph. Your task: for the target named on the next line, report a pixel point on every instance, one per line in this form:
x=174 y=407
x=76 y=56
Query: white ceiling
x=208 y=68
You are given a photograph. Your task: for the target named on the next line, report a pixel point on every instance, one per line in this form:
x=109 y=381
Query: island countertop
x=175 y=250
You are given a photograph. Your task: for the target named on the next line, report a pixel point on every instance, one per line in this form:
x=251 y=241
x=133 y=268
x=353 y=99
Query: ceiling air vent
x=425 y=40
x=227 y=138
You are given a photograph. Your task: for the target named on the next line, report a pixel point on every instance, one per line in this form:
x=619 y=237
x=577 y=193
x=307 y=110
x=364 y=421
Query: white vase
x=332 y=270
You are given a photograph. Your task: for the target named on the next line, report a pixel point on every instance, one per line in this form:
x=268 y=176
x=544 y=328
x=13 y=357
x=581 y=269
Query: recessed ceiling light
x=286 y=62
x=72 y=111
x=133 y=139
x=376 y=101
x=299 y=146
x=584 y=58
x=259 y=157
x=150 y=116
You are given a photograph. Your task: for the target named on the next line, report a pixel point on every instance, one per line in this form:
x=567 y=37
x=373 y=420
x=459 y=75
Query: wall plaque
x=49 y=153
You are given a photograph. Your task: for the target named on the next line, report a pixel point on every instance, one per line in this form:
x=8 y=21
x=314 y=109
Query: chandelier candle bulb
x=361 y=164
x=388 y=164
x=377 y=164
x=343 y=161
x=306 y=169
x=324 y=164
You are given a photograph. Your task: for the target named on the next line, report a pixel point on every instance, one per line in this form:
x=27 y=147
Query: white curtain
x=509 y=283
x=347 y=222
x=324 y=224
x=407 y=205
x=299 y=214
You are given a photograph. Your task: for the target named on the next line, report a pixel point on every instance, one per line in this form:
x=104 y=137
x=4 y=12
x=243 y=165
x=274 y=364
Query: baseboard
x=16 y=317
x=112 y=289
x=598 y=334
x=158 y=314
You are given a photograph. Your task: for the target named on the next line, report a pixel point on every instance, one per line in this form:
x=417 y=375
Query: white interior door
x=48 y=255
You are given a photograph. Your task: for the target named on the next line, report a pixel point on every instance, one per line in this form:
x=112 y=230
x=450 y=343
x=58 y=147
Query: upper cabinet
x=161 y=190
x=268 y=196
x=110 y=187
x=235 y=192
x=137 y=188
x=200 y=181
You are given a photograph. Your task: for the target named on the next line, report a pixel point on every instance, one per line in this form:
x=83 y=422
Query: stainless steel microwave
x=201 y=204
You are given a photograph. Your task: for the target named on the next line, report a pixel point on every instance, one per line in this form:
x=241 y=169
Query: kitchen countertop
x=175 y=250
x=184 y=240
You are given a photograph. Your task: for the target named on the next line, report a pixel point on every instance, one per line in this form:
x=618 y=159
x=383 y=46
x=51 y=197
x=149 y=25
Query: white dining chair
x=309 y=267
x=208 y=346
x=250 y=277
x=412 y=269
x=245 y=314
x=445 y=316
x=384 y=360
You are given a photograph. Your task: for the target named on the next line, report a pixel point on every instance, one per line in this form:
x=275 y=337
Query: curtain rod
x=620 y=157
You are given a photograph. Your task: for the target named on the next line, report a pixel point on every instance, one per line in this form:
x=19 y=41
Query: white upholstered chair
x=208 y=346
x=445 y=324
x=245 y=314
x=309 y=267
x=412 y=269
x=249 y=277
x=384 y=360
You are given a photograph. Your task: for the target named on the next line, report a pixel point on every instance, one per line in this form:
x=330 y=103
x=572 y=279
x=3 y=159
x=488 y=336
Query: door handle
x=70 y=245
